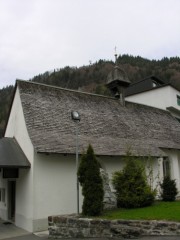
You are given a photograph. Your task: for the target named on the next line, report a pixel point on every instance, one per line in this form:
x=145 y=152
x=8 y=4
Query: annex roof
x=111 y=128
x=11 y=155
x=146 y=85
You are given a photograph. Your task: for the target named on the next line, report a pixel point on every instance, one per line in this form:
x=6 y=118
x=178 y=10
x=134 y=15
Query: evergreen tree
x=131 y=186
x=169 y=189
x=91 y=182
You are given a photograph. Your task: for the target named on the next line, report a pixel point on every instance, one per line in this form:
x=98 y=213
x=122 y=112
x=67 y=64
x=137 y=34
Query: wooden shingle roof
x=109 y=127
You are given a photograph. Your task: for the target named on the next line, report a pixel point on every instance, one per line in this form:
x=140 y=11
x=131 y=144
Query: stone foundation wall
x=69 y=226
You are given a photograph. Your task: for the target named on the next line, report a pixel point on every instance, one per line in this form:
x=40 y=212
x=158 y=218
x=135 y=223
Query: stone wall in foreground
x=71 y=226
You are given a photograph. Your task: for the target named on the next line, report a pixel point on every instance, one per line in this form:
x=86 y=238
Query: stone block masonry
x=73 y=226
x=109 y=201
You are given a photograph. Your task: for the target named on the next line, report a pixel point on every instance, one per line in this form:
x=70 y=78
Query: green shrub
x=92 y=184
x=131 y=185
x=168 y=189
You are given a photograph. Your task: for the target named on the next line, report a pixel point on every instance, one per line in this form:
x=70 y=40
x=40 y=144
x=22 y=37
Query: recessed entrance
x=11 y=200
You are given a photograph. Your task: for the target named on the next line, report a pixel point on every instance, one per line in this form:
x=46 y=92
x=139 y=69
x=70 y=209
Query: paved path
x=8 y=230
x=11 y=232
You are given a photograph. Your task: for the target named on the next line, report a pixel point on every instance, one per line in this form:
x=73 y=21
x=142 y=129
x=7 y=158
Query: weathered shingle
x=109 y=127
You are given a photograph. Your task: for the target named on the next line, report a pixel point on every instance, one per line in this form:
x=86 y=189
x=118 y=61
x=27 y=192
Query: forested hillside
x=92 y=78
x=5 y=99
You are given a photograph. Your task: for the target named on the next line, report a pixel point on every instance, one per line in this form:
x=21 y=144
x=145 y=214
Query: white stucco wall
x=174 y=158
x=16 y=128
x=110 y=165
x=55 y=188
x=162 y=98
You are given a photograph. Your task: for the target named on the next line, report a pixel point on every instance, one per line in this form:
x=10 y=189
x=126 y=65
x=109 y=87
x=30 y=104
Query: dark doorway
x=11 y=200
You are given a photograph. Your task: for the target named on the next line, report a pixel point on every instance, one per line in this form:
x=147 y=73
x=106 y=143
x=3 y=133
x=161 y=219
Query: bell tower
x=117 y=82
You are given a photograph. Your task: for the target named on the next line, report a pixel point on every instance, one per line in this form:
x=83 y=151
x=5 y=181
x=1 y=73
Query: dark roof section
x=11 y=155
x=146 y=84
x=109 y=127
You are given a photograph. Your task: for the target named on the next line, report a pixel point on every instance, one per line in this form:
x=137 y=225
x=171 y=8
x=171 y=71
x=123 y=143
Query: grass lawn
x=158 y=211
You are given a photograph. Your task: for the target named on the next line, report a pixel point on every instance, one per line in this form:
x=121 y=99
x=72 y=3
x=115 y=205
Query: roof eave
x=15 y=166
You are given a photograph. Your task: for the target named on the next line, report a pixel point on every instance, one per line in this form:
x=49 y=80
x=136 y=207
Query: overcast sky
x=42 y=35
